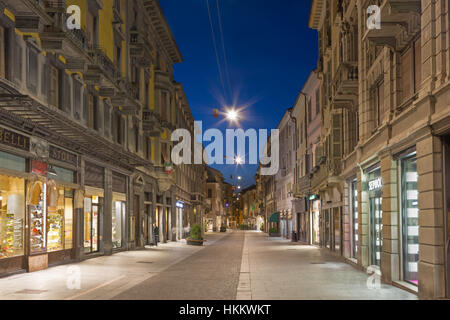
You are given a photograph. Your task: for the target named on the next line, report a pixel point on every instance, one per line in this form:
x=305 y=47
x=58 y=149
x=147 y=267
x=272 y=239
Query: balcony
x=58 y=127
x=163 y=80
x=345 y=84
x=140 y=49
x=58 y=38
x=124 y=104
x=151 y=124
x=30 y=15
x=319 y=177
x=301 y=189
x=400 y=23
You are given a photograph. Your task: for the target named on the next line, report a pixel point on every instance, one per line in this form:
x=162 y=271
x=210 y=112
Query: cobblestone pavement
x=210 y=274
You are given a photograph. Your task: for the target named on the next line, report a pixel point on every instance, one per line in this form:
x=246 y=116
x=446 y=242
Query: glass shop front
x=374 y=186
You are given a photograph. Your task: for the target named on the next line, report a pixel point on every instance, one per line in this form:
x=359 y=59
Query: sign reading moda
x=214 y=153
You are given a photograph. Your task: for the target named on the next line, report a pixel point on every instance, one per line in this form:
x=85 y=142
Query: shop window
x=12 y=216
x=354 y=218
x=92 y=213
x=410 y=213
x=374 y=187
x=60 y=218
x=118 y=218
x=38 y=221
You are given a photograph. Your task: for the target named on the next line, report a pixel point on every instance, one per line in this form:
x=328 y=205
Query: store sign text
x=15 y=140
x=63 y=156
x=375 y=184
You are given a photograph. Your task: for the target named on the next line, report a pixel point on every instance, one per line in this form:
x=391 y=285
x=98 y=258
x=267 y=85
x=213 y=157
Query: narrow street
x=235 y=265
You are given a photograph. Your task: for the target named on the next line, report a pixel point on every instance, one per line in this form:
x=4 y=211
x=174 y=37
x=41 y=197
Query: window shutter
x=417 y=65
x=54 y=86
x=45 y=80
x=67 y=93
x=119 y=183
x=2 y=53
x=18 y=62
x=107 y=111
x=94 y=176
x=381 y=102
x=86 y=107
x=336 y=135
x=77 y=99
x=406 y=60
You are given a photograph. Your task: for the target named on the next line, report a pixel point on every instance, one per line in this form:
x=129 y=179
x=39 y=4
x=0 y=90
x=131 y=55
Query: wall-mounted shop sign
x=14 y=139
x=313 y=197
x=63 y=156
x=39 y=167
x=375 y=184
x=179 y=204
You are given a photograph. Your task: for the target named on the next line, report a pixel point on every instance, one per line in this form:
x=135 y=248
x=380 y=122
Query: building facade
x=284 y=179
x=215 y=214
x=86 y=121
x=383 y=153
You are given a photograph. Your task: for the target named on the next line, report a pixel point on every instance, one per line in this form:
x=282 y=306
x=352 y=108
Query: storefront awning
x=275 y=217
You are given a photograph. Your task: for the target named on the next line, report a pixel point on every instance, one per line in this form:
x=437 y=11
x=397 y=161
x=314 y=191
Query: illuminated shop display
x=355 y=221
x=12 y=216
x=315 y=213
x=410 y=213
x=118 y=219
x=376 y=215
x=38 y=221
x=60 y=218
x=92 y=207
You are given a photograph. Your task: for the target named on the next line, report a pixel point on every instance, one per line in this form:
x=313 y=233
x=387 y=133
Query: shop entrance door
x=92 y=214
x=376 y=229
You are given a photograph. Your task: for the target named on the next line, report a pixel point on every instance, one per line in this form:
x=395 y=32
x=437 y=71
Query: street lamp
x=232 y=115
x=239 y=178
x=239 y=160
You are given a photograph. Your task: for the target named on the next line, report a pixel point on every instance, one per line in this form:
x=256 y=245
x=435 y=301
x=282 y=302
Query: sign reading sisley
x=375 y=184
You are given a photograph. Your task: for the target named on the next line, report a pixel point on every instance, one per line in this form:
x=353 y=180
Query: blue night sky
x=270 y=52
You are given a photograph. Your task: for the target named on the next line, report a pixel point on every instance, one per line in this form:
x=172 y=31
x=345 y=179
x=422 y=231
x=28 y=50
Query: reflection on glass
x=316 y=222
x=94 y=228
x=118 y=215
x=12 y=216
x=354 y=199
x=55 y=218
x=37 y=218
x=87 y=224
x=410 y=219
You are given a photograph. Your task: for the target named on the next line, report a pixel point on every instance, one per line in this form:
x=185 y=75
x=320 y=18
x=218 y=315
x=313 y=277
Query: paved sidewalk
x=209 y=274
x=281 y=270
x=102 y=277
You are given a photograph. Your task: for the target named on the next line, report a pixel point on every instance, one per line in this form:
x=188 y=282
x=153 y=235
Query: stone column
x=390 y=256
x=431 y=218
x=107 y=213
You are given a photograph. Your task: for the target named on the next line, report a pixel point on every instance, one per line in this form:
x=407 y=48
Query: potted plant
x=195 y=237
x=273 y=232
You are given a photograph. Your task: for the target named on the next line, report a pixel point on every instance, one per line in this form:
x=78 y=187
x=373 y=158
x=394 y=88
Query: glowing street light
x=239 y=160
x=239 y=187
x=232 y=115
x=239 y=178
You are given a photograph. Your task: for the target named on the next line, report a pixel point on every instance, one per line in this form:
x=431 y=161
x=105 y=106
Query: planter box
x=274 y=234
x=193 y=242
